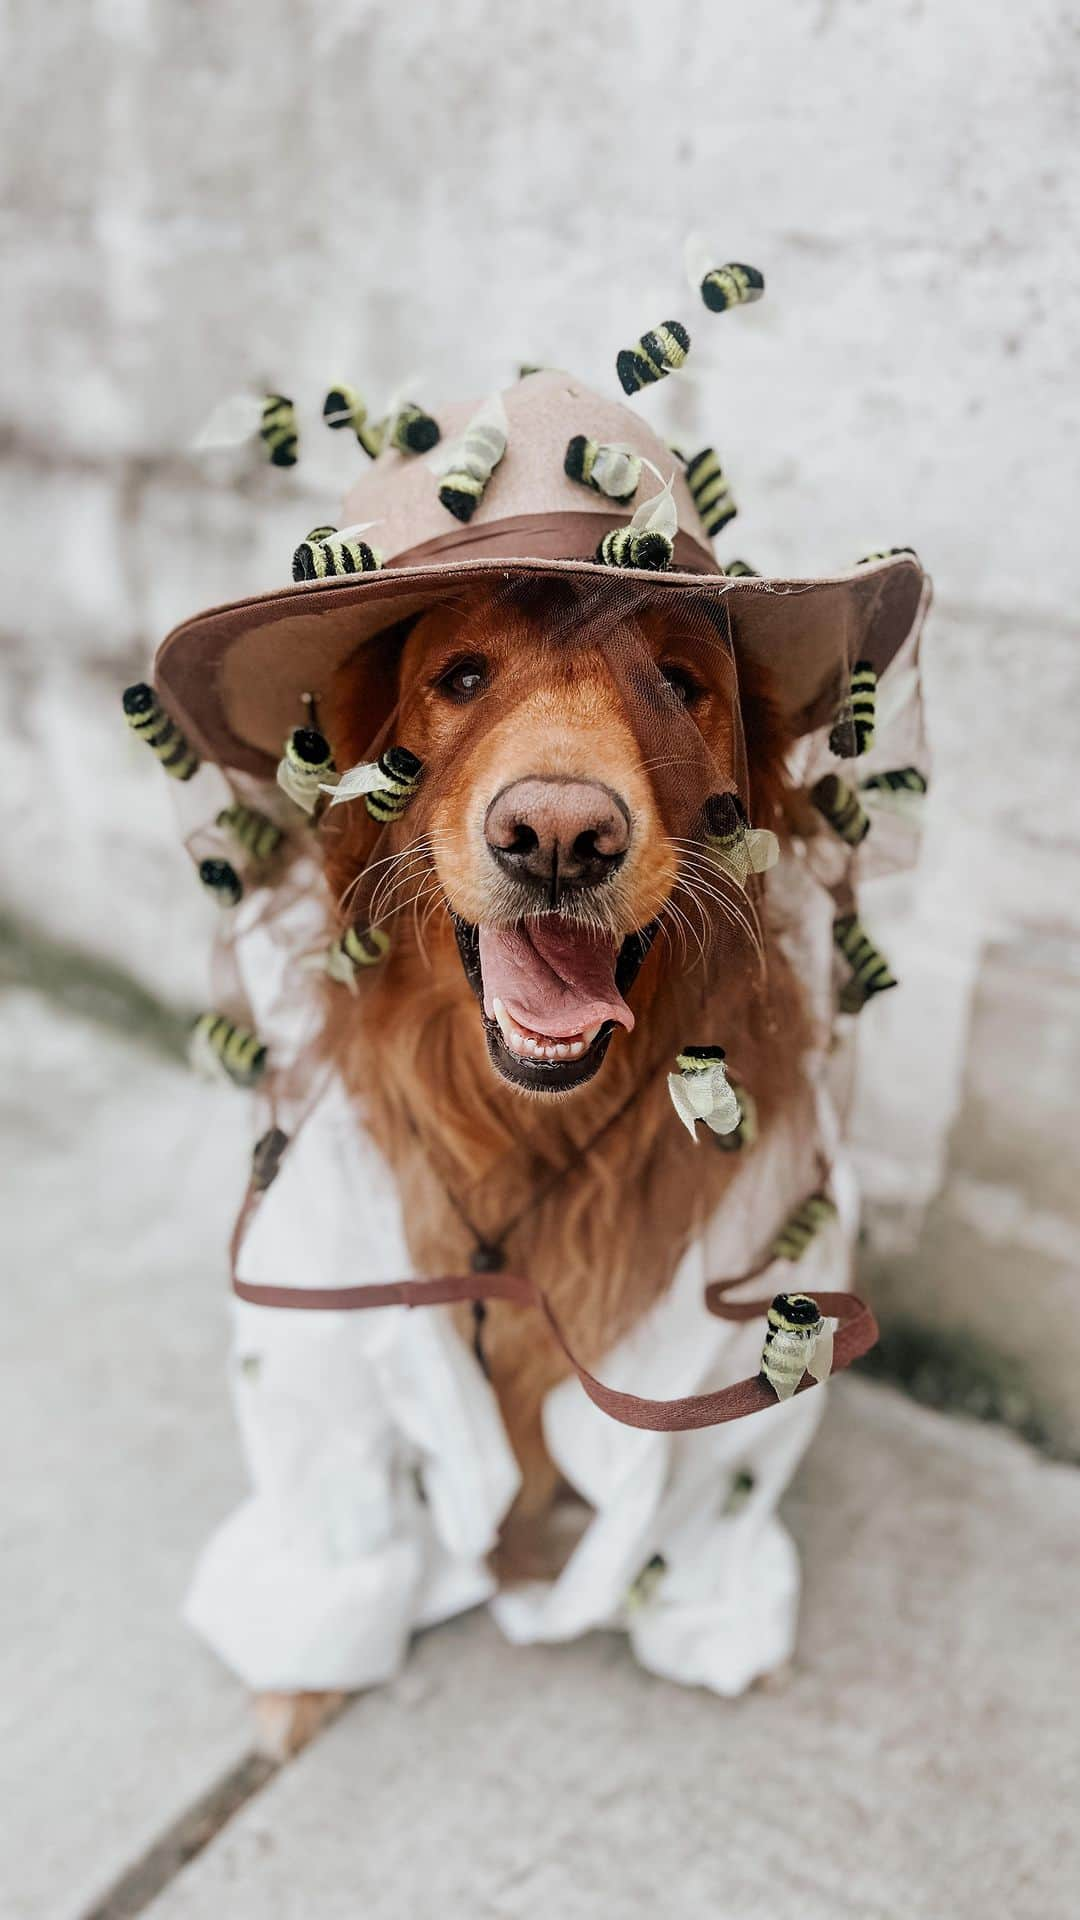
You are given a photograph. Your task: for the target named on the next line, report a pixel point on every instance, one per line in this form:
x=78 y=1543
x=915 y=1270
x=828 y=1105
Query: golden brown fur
x=605 y=1241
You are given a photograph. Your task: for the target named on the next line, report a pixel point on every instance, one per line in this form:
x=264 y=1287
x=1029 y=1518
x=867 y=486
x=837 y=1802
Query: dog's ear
x=356 y=714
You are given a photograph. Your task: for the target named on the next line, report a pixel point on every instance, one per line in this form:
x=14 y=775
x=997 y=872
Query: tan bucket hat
x=232 y=678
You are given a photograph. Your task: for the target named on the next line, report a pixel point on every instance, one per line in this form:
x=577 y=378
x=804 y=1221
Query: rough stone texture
x=919 y=1763
x=118 y=1452
x=200 y=200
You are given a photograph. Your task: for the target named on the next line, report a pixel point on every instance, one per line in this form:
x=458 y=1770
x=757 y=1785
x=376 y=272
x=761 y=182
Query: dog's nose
x=559 y=833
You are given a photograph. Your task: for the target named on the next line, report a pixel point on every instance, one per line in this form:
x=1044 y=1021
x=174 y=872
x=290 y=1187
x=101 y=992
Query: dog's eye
x=463 y=679
x=682 y=683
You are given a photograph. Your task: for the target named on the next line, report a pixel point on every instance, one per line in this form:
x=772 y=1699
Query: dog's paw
x=285 y=1722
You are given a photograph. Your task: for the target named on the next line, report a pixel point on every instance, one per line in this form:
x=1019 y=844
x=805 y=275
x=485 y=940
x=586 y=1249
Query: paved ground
x=921 y=1762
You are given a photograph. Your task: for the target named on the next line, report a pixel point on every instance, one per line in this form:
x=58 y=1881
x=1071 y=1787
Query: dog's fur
x=605 y=1242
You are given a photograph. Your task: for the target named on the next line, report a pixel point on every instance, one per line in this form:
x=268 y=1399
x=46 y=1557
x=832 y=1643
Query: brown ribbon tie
x=856 y=1334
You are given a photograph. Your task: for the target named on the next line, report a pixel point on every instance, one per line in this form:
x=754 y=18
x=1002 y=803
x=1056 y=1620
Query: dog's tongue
x=554 y=978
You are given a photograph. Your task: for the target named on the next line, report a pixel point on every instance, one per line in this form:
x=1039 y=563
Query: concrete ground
x=923 y=1760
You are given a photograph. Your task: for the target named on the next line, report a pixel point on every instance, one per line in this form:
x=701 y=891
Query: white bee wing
x=723 y=1113
x=235 y=419
x=354 y=782
x=735 y=863
x=354 y=532
x=699 y=259
x=819 y=1364
x=679 y=1089
x=763 y=849
x=658 y=514
x=902 y=803
x=617 y=470
x=404 y=395
x=490 y=415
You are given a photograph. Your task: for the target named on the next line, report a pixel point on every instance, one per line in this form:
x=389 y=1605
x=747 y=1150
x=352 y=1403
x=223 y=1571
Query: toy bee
x=884 y=553
x=359 y=947
x=797 y=1341
x=710 y=491
x=870 y=973
x=649 y=540
x=266 y=1158
x=900 y=790
x=841 y=807
x=469 y=462
x=744 y=1134
x=733 y=285
x=277 y=430
x=611 y=470
x=655 y=356
x=257 y=835
x=306 y=767
x=222 y=881
x=700 y=1091
x=412 y=430
x=147 y=717
x=646 y=1584
x=387 y=784
x=345 y=407
x=853 y=731
x=738 y=849
x=801 y=1227
x=224 y=1050
x=741 y=570
x=326 y=553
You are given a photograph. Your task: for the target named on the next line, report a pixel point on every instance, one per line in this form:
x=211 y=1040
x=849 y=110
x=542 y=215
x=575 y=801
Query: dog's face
x=565 y=763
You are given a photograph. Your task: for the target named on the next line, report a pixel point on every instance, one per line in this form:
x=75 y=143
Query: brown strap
x=855 y=1336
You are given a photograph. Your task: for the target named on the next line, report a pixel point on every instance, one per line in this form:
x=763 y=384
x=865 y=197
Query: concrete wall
x=291 y=193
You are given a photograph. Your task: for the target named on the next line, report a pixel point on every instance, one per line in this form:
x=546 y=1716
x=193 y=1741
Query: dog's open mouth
x=552 y=994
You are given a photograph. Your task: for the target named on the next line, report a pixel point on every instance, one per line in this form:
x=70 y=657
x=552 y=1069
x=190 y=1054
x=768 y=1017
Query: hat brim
x=233 y=676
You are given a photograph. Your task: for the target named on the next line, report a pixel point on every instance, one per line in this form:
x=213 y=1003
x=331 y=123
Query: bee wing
x=355 y=782
x=902 y=804
x=353 y=532
x=763 y=849
x=490 y=413
x=658 y=514
x=819 y=1364
x=235 y=419
x=404 y=394
x=723 y=1113
x=679 y=1086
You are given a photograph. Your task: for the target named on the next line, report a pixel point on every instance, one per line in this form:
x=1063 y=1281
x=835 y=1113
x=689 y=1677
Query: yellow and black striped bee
x=896 y=780
x=737 y=847
x=345 y=407
x=710 y=491
x=400 y=773
x=147 y=717
x=220 y=1047
x=840 y=806
x=884 y=553
x=266 y=1158
x=222 y=881
x=796 y=1342
x=325 y=554
x=853 y=730
x=870 y=972
x=646 y=1583
x=741 y=570
x=306 y=765
x=733 y=285
x=259 y=836
x=655 y=356
x=277 y=430
x=414 y=431
x=359 y=947
x=644 y=547
x=801 y=1226
x=473 y=461
x=614 y=471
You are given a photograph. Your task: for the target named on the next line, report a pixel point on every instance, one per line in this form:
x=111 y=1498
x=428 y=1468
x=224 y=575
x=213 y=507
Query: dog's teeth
x=562 y=1050
x=590 y=1034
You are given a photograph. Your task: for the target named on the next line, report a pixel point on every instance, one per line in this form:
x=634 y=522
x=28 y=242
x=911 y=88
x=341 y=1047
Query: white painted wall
x=294 y=192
